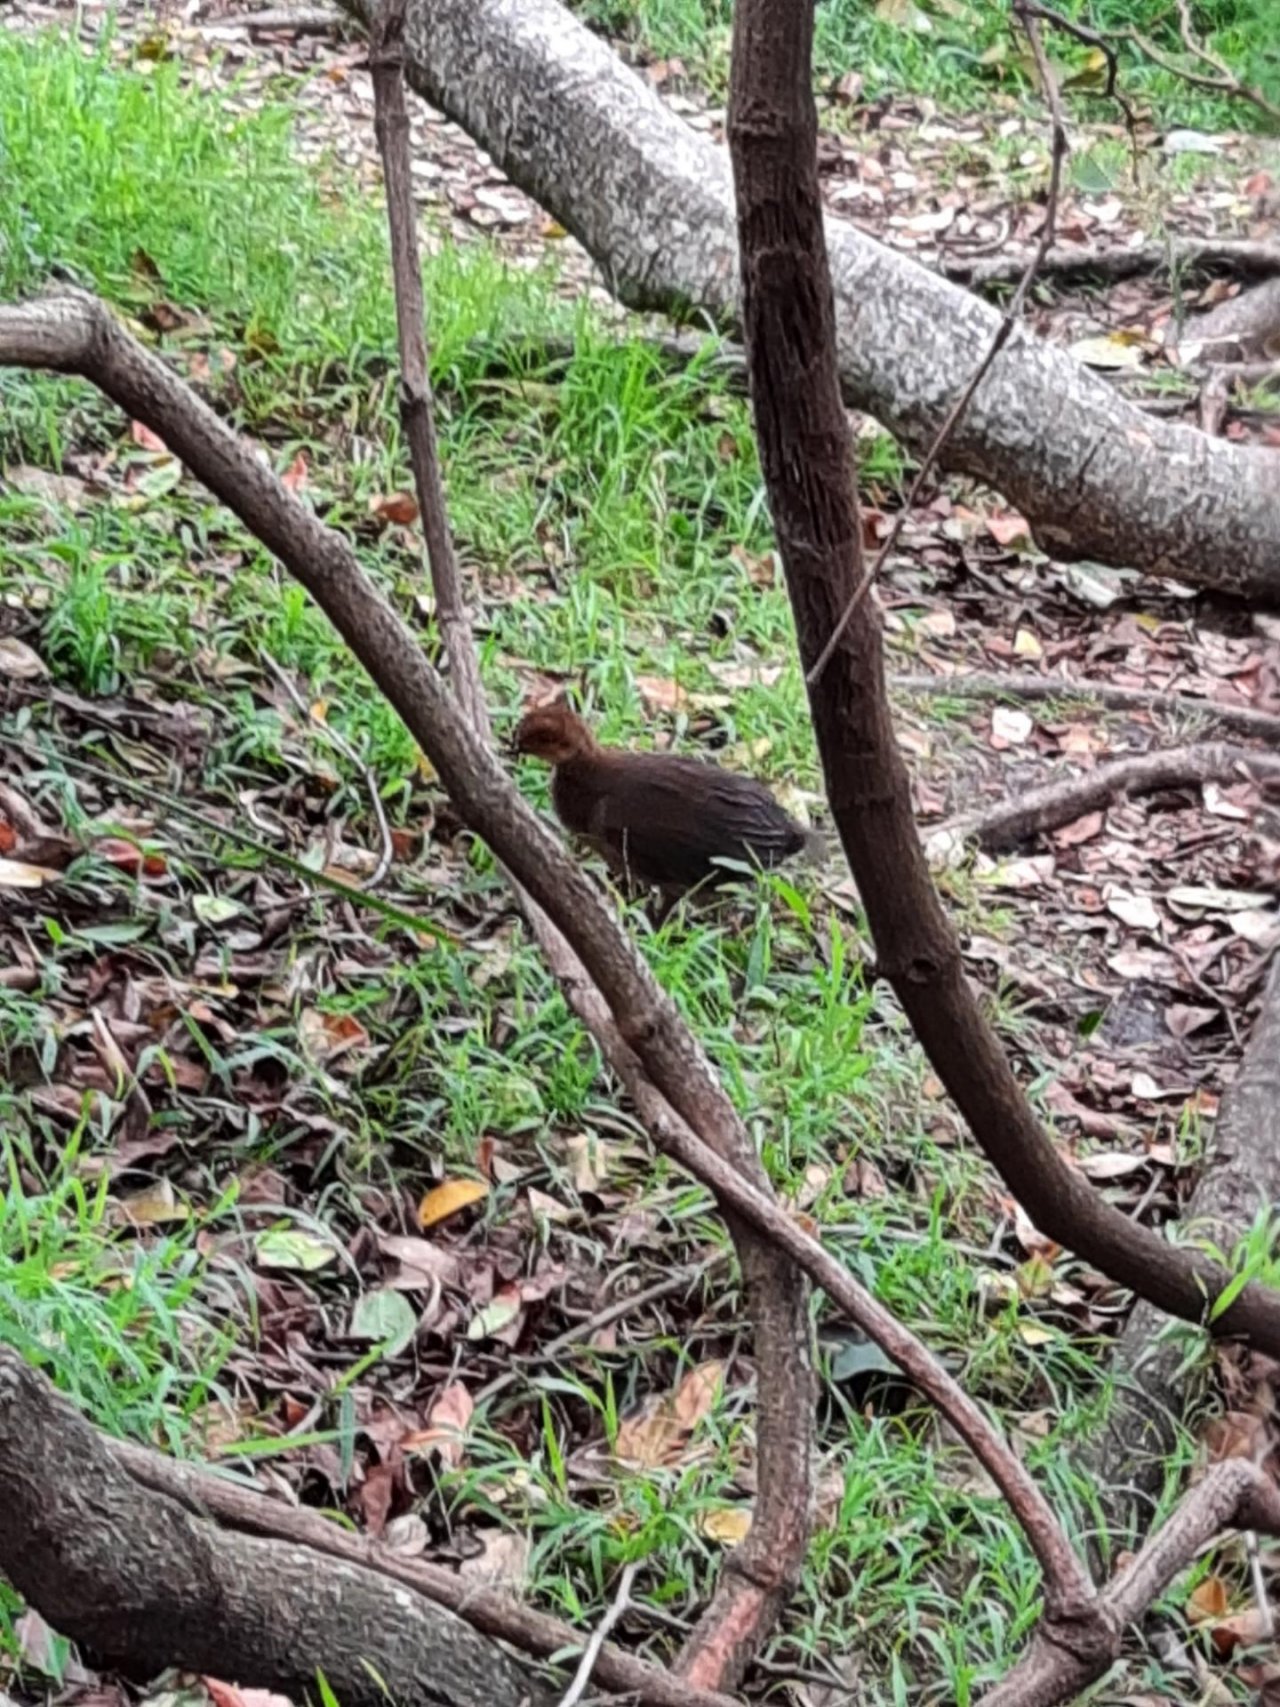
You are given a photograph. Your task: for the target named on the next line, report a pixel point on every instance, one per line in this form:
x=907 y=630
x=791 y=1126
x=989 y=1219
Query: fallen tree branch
x=759 y=1574
x=1179 y=254
x=651 y=201
x=1244 y=719
x=144 y=1584
x=1002 y=826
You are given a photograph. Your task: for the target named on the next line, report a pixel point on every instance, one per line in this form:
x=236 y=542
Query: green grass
x=610 y=514
x=959 y=51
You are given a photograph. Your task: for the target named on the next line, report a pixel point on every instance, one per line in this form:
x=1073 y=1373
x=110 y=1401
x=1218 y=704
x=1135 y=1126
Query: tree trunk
x=651 y=201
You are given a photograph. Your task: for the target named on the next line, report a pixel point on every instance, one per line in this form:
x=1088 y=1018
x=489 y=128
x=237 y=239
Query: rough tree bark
x=145 y=1584
x=652 y=202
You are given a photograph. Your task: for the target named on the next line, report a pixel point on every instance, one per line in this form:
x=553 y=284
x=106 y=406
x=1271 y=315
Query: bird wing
x=670 y=820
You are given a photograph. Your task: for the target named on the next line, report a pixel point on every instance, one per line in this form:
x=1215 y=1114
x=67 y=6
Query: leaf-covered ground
x=338 y=1186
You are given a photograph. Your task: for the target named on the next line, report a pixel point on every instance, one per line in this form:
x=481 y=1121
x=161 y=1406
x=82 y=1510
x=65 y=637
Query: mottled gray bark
x=1158 y=1392
x=651 y=201
x=144 y=1584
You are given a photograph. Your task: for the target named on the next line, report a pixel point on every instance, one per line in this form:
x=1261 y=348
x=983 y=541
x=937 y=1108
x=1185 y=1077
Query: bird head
x=553 y=733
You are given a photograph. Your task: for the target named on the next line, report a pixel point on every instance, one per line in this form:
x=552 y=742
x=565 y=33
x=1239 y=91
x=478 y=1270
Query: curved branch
x=487 y=1609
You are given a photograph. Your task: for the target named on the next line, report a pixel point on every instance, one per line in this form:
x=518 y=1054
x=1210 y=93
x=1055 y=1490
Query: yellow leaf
x=448 y=1198
x=729 y=1524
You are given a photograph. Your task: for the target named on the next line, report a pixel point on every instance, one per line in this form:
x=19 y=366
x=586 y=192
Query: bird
x=661 y=821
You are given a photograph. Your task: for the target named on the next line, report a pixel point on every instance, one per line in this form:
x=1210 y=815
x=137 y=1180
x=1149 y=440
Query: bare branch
x=1244 y=719
x=1062 y=801
x=807 y=458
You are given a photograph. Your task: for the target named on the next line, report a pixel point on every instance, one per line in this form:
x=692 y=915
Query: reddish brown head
x=553 y=733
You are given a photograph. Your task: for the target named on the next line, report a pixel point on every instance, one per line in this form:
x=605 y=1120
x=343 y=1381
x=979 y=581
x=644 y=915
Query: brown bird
x=659 y=820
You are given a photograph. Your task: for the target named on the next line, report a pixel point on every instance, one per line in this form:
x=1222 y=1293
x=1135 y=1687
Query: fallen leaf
x=1009 y=529
x=1081 y=831
x=385 y=1318
x=651 y=1436
x=659 y=693
x=1138 y=911
x=1113 y=350
x=293 y=1250
x=1182 y=1020
x=143 y=437
x=1261 y=928
x=295 y=476
x=1010 y=727
x=500 y=1318
x=154 y=1207
x=448 y=1198
x=446 y=1429
x=17 y=874
x=1205 y=898
x=728 y=1524
x=325 y=1036
x=19 y=662
x=504 y=1563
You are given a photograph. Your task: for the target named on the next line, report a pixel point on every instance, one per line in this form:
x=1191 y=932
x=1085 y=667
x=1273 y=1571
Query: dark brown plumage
x=660 y=820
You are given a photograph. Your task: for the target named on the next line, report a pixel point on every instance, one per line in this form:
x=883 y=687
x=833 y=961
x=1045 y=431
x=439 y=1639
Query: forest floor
x=322 y=1186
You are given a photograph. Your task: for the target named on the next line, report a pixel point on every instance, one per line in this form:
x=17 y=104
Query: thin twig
x=1091 y=38
x=591 y=1653
x=417 y=409
x=1223 y=82
x=1058 y=152
x=1244 y=719
x=595 y=1323
x=386 y=848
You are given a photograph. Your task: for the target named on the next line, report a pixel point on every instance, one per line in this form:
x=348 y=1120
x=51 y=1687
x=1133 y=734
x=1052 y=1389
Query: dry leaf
x=446 y=1428
x=18 y=661
x=1138 y=911
x=728 y=1524
x=448 y=1198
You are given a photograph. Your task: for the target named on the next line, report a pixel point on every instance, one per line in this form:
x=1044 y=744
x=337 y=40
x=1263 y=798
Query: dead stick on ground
x=239 y=1507
x=1053 y=804
x=582 y=1677
x=1244 y=719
